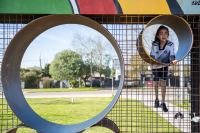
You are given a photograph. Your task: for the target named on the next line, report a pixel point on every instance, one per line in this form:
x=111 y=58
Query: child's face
x=163 y=35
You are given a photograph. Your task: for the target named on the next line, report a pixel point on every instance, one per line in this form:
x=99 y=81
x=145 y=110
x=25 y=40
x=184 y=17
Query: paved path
x=182 y=124
x=100 y=93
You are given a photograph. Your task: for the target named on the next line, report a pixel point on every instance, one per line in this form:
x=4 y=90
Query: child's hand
x=159 y=60
x=174 y=62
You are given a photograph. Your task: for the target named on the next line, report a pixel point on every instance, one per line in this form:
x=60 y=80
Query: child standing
x=162 y=51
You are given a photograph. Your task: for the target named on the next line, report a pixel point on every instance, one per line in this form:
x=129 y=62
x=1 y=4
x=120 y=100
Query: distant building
x=97 y=76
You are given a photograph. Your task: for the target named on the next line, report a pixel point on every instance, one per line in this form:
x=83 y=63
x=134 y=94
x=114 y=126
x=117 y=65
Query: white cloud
x=56 y=38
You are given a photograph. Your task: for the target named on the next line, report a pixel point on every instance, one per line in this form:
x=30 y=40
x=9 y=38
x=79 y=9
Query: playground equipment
x=121 y=18
x=182 y=30
x=11 y=68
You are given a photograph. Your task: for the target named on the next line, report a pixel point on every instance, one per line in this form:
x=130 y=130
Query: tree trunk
x=84 y=81
x=100 y=80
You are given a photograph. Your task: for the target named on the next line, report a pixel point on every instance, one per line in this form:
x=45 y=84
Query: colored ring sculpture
x=182 y=30
x=11 y=67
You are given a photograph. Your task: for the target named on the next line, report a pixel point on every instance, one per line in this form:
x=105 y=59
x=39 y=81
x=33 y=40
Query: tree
x=46 y=71
x=102 y=52
x=99 y=48
x=35 y=69
x=137 y=64
x=103 y=69
x=30 y=79
x=22 y=73
x=176 y=69
x=87 y=70
x=66 y=65
x=112 y=74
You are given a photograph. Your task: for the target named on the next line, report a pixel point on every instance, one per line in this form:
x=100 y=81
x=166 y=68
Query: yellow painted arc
x=144 y=6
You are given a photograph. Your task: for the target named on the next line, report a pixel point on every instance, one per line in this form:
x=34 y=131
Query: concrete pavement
x=100 y=93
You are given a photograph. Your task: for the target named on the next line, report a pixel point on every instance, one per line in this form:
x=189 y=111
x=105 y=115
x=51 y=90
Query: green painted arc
x=35 y=6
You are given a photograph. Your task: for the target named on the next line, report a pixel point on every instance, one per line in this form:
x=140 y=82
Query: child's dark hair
x=161 y=27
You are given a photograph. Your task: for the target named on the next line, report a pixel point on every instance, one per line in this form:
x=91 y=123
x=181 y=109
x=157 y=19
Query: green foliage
x=73 y=83
x=187 y=73
x=30 y=79
x=22 y=72
x=108 y=72
x=96 y=49
x=104 y=69
x=112 y=72
x=87 y=70
x=137 y=65
x=46 y=71
x=175 y=69
x=35 y=69
x=66 y=65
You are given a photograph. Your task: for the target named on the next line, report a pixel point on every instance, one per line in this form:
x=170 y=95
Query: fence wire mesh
x=134 y=111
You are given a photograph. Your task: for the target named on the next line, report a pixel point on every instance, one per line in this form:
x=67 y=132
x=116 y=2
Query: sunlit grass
x=134 y=116
x=62 y=90
x=186 y=105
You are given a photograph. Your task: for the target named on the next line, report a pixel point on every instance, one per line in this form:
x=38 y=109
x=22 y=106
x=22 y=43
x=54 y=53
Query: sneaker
x=156 y=104
x=179 y=114
x=164 y=108
x=161 y=105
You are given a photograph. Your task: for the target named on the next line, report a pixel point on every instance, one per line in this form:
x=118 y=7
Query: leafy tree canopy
x=31 y=78
x=46 y=71
x=66 y=65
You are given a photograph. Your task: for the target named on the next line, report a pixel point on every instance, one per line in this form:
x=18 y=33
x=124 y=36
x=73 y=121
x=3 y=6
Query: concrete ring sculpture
x=182 y=30
x=11 y=67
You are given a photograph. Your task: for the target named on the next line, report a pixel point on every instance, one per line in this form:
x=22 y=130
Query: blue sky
x=54 y=40
x=60 y=38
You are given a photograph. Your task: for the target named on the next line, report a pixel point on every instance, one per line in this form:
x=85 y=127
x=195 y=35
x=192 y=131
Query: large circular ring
x=11 y=67
x=182 y=30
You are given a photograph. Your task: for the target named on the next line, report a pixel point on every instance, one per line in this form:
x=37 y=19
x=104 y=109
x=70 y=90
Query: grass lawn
x=186 y=105
x=146 y=87
x=62 y=90
x=60 y=110
x=139 y=88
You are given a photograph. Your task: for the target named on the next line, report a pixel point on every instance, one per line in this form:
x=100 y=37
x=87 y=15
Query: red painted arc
x=97 y=7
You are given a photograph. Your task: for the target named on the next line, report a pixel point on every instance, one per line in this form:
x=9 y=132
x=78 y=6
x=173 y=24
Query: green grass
x=55 y=109
x=186 y=105
x=62 y=111
x=62 y=90
x=90 y=130
x=128 y=114
x=136 y=117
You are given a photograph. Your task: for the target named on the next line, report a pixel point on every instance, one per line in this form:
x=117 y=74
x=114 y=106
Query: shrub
x=73 y=84
x=31 y=79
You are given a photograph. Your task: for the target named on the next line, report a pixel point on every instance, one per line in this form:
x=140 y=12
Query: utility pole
x=40 y=62
x=91 y=67
x=112 y=76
